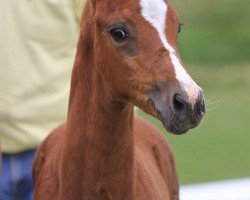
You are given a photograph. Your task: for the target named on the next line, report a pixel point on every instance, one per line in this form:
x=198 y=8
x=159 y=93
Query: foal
x=127 y=55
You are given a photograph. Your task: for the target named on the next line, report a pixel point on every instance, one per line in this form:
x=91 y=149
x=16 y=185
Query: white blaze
x=155 y=12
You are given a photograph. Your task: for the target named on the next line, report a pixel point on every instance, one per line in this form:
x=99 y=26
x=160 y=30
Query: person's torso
x=37 y=48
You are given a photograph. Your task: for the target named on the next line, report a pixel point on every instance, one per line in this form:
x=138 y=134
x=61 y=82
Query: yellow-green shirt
x=37 y=48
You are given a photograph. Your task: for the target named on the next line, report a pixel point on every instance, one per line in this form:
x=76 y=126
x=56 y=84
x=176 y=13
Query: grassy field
x=215 y=45
x=215 y=31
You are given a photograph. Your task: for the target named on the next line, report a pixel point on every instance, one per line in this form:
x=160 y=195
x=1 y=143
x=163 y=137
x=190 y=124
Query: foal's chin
x=174 y=125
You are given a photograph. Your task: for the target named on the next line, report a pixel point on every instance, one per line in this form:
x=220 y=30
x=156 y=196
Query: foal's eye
x=118 y=34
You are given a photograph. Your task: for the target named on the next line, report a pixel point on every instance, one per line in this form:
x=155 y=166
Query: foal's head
x=136 y=54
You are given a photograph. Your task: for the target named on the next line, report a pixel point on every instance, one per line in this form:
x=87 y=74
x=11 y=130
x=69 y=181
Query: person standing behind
x=37 y=48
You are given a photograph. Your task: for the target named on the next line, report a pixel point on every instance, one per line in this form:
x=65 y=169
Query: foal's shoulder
x=148 y=136
x=44 y=150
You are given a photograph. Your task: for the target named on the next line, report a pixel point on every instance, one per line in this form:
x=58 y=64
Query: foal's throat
x=99 y=142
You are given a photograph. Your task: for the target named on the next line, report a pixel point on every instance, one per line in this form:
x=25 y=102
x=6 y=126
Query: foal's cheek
x=129 y=49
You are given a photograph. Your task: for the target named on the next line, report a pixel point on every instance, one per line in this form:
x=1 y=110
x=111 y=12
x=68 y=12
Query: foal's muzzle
x=174 y=109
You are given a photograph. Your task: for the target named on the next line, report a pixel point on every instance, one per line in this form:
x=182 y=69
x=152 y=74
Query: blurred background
x=215 y=46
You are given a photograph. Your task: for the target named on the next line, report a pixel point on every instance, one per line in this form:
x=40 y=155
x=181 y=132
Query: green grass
x=215 y=31
x=219 y=148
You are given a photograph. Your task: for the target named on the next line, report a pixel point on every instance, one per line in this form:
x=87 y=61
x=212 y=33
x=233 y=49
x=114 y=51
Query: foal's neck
x=98 y=149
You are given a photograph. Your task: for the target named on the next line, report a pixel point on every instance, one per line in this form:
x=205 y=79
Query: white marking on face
x=155 y=12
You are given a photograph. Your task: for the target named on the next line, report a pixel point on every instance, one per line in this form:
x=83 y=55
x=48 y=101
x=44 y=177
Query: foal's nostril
x=183 y=109
x=200 y=107
x=179 y=105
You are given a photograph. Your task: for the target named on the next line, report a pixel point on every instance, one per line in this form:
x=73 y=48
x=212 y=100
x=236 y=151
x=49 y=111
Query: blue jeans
x=16 y=176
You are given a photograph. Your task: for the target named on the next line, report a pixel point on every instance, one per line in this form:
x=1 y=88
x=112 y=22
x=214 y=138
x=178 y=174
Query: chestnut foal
x=127 y=55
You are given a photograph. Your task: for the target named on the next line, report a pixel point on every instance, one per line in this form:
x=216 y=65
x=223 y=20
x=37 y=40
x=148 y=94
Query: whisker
x=215 y=102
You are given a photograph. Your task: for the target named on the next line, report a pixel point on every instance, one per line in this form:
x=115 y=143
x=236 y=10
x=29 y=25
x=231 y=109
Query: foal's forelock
x=155 y=12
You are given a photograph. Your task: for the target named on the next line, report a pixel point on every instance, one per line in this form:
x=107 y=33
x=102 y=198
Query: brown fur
x=103 y=151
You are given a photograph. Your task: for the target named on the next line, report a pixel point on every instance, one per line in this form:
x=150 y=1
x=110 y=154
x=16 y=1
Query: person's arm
x=78 y=6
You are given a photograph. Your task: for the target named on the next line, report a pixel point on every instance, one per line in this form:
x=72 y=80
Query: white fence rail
x=225 y=190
